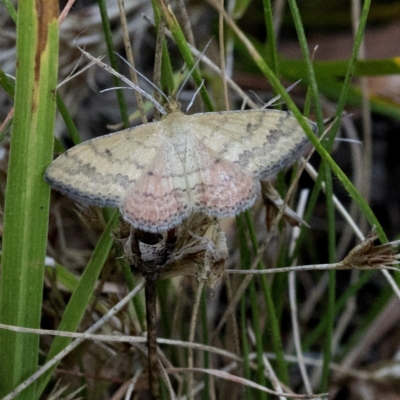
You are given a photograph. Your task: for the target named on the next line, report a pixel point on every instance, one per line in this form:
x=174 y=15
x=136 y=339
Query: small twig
x=7 y=120
x=151 y=314
x=185 y=22
x=293 y=298
x=365 y=189
x=365 y=256
x=359 y=234
x=214 y=68
x=272 y=376
x=74 y=75
x=279 y=10
x=339 y=206
x=131 y=60
x=222 y=57
x=260 y=252
x=65 y=11
x=158 y=60
x=315 y=267
x=126 y=80
x=183 y=84
x=233 y=327
x=74 y=344
x=234 y=378
x=191 y=337
x=270 y=373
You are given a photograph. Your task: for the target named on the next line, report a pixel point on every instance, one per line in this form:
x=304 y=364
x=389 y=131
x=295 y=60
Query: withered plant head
x=196 y=247
x=366 y=255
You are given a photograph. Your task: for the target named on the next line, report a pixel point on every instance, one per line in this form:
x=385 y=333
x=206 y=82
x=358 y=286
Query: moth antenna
x=244 y=102
x=194 y=96
x=348 y=140
x=76 y=66
x=73 y=75
x=271 y=102
x=179 y=79
x=145 y=78
x=290 y=88
x=256 y=96
x=191 y=71
x=276 y=98
x=114 y=88
x=126 y=80
x=266 y=105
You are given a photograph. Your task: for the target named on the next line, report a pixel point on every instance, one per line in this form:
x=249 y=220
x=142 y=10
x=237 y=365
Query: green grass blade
x=354 y=194
x=273 y=334
x=27 y=195
x=180 y=41
x=130 y=282
x=7 y=83
x=337 y=69
x=69 y=122
x=113 y=60
x=245 y=344
x=11 y=9
x=329 y=196
x=245 y=262
x=206 y=334
x=83 y=292
x=306 y=55
x=271 y=39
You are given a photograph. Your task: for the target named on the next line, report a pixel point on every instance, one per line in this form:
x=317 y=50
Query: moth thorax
x=180 y=147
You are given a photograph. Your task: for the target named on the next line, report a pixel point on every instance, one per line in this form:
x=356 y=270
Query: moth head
x=172 y=106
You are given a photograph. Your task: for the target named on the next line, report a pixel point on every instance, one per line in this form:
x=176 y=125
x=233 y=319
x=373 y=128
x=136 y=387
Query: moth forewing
x=159 y=173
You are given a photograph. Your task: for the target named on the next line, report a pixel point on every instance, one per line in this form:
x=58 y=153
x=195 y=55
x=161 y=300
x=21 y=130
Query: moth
x=159 y=173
